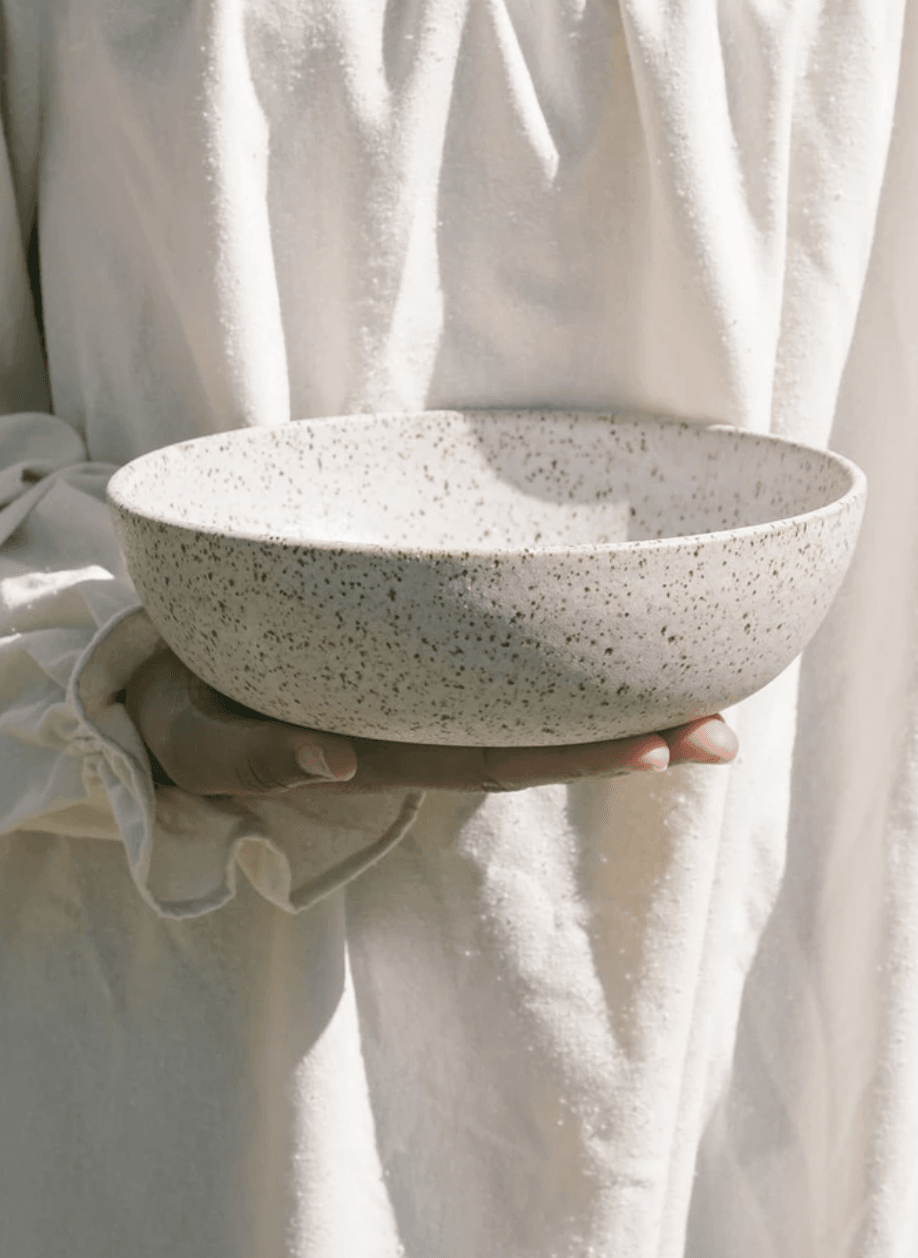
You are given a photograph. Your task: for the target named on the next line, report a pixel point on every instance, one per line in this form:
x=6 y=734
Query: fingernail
x=336 y=765
x=715 y=739
x=656 y=759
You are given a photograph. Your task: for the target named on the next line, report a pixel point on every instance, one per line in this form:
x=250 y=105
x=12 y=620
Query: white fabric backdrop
x=629 y=1019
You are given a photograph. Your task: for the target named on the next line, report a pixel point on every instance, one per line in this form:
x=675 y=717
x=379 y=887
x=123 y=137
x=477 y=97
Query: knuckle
x=492 y=780
x=493 y=786
x=254 y=776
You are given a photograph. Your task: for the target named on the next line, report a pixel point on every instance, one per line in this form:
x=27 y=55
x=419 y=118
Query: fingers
x=209 y=745
x=383 y=766
x=251 y=757
x=708 y=740
x=514 y=768
x=390 y=766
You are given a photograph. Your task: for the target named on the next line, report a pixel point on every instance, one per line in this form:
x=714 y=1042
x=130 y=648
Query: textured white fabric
x=635 y=1019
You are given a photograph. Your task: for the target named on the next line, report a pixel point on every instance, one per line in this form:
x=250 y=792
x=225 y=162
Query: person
x=593 y=1011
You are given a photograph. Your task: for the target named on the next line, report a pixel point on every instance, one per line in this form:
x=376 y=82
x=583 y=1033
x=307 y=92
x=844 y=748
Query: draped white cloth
x=633 y=1019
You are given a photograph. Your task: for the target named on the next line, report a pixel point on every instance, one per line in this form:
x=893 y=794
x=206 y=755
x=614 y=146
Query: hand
x=210 y=745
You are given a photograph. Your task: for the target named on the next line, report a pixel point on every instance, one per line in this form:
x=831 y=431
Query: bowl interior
x=480 y=481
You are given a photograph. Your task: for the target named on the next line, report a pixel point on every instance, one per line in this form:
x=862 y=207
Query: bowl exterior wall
x=501 y=650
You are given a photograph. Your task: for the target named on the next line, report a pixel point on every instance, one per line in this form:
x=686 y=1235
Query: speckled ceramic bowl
x=503 y=579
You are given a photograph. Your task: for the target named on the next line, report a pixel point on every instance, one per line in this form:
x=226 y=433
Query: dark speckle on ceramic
x=488 y=578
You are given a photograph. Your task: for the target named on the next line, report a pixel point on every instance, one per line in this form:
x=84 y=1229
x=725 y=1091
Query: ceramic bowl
x=488 y=578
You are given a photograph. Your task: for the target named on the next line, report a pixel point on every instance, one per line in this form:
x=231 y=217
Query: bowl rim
x=853 y=497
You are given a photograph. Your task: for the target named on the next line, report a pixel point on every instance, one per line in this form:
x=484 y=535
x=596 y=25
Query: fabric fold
x=72 y=761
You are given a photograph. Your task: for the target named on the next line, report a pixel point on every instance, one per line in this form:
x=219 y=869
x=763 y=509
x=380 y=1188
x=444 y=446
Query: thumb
x=210 y=745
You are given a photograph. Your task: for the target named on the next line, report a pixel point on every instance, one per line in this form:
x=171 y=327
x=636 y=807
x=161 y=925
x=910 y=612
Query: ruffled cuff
x=184 y=850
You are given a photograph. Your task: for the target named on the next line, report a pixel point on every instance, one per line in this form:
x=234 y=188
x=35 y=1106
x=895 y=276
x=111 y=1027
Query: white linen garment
x=632 y=1019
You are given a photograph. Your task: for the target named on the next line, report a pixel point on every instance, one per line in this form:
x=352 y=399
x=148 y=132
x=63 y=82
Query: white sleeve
x=72 y=632
x=62 y=583
x=62 y=590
